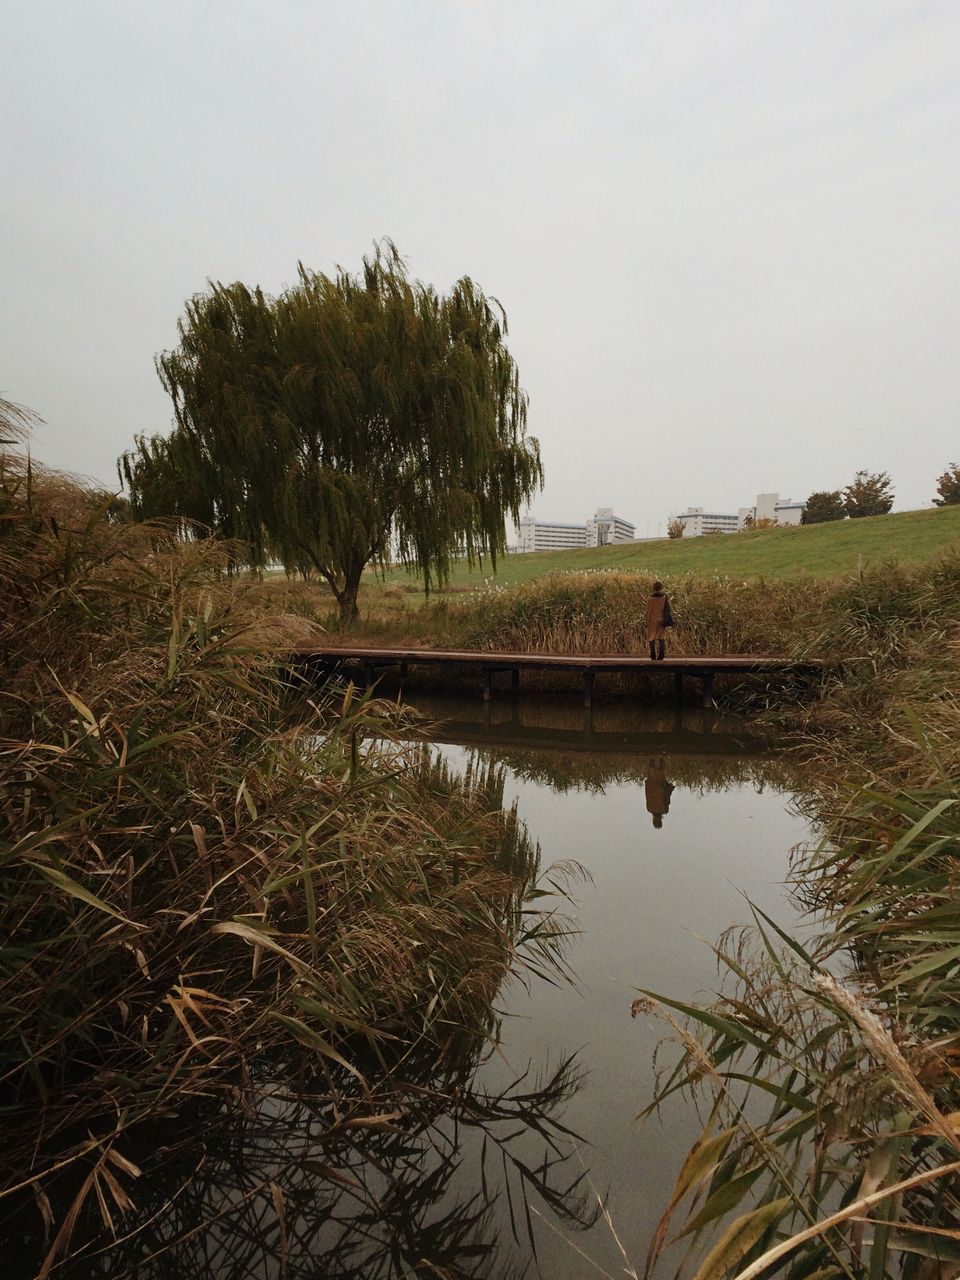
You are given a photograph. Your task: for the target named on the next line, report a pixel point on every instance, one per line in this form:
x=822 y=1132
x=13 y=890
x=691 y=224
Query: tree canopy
x=948 y=487
x=822 y=506
x=870 y=494
x=349 y=418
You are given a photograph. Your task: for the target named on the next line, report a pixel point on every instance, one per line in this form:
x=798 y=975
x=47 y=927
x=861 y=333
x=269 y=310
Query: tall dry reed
x=198 y=869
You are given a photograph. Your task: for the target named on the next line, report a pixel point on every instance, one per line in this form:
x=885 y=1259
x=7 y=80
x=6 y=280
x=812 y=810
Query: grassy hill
x=820 y=550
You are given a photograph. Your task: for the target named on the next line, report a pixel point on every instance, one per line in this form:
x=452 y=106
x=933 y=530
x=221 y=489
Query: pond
x=495 y=1164
x=677 y=820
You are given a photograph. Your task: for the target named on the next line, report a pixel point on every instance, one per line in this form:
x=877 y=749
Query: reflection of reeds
x=702 y=774
x=193 y=878
x=382 y=1186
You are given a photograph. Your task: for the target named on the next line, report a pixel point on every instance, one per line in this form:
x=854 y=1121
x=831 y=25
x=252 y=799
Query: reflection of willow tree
x=310 y=1185
x=352 y=1171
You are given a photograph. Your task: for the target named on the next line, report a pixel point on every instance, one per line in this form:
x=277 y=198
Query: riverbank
x=855 y=1083
x=197 y=881
x=890 y=632
x=202 y=871
x=831 y=550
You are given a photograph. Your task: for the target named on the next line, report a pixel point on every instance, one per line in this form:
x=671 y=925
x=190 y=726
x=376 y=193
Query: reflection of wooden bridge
x=589 y=666
x=505 y=734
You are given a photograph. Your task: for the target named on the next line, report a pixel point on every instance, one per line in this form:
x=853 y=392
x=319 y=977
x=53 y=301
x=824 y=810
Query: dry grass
x=200 y=868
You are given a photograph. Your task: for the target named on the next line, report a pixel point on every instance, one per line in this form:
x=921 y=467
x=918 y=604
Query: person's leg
x=661 y=649
x=653 y=650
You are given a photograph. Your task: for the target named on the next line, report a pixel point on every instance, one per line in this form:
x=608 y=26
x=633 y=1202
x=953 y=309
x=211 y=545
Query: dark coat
x=657 y=791
x=656 y=605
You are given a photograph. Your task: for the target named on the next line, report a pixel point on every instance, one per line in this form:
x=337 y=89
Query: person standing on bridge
x=658 y=619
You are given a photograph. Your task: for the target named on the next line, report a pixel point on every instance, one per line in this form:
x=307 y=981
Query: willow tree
x=349 y=419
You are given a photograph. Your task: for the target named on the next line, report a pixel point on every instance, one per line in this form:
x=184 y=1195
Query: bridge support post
x=487 y=679
x=588 y=688
x=678 y=687
x=709 y=702
x=515 y=682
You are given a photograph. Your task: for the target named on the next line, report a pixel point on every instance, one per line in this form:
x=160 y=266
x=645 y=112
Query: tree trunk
x=347 y=598
x=348 y=606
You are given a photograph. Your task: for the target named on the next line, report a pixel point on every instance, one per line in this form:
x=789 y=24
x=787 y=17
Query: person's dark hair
x=658 y=586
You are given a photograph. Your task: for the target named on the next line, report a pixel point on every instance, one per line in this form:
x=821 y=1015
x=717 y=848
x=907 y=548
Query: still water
x=493 y=1163
x=677 y=821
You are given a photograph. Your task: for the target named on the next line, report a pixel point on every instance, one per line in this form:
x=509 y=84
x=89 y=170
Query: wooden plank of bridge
x=698 y=665
x=704 y=667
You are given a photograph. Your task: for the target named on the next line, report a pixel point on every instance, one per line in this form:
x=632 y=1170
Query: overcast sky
x=726 y=234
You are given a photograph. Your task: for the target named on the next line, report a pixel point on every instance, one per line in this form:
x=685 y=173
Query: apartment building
x=603 y=529
x=696 y=521
x=768 y=506
x=546 y=535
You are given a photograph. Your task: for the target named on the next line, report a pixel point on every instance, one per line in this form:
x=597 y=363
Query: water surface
x=677 y=818
x=674 y=818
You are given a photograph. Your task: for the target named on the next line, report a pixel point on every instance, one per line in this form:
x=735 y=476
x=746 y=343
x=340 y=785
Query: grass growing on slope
x=395 y=606
x=821 y=551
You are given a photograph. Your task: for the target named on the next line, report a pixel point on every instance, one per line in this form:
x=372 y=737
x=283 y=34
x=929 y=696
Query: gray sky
x=726 y=234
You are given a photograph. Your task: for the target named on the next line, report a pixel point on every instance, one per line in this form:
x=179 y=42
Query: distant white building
x=546 y=535
x=603 y=529
x=768 y=506
x=696 y=521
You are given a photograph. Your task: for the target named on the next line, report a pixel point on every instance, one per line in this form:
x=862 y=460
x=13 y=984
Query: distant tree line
x=871 y=494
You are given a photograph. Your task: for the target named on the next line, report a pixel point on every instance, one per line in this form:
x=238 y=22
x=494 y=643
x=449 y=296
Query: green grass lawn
x=821 y=550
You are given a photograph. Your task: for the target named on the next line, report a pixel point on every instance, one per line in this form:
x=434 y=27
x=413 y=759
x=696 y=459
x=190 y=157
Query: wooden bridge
x=588 y=666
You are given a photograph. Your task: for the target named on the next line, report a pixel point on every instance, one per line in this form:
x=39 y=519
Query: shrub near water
x=188 y=881
x=874 y=614
x=896 y=699
x=604 y=613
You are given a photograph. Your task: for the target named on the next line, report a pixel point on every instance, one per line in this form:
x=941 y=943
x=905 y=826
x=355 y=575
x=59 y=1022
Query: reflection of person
x=657 y=621
x=657 y=791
